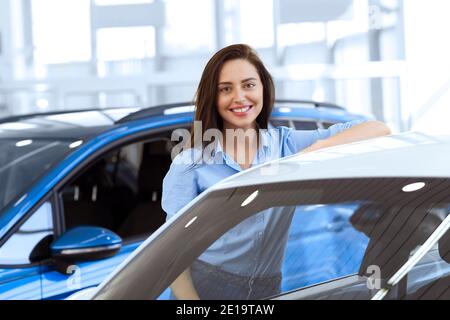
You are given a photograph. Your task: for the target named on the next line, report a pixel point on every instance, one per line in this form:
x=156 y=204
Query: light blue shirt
x=255 y=247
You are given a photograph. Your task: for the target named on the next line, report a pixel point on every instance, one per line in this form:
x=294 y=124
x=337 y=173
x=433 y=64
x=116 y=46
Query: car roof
x=85 y=123
x=189 y=107
x=409 y=155
x=63 y=124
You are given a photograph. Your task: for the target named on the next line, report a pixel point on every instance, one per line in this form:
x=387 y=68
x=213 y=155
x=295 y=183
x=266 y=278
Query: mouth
x=241 y=110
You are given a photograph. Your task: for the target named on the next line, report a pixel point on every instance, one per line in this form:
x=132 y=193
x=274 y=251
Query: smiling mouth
x=241 y=109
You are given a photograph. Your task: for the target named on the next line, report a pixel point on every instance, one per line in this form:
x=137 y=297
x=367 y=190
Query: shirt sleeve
x=298 y=140
x=179 y=185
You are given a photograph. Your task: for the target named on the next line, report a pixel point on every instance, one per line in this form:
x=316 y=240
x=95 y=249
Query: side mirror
x=85 y=243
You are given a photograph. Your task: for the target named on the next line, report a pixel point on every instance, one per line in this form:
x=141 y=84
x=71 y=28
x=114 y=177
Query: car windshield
x=23 y=162
x=312 y=232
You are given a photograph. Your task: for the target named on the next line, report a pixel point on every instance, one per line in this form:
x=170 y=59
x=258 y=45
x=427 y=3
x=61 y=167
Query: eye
x=225 y=89
x=249 y=85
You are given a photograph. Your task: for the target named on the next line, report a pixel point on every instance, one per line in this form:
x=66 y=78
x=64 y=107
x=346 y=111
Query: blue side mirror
x=86 y=243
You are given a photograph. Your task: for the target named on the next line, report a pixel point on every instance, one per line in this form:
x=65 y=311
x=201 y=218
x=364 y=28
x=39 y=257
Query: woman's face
x=240 y=94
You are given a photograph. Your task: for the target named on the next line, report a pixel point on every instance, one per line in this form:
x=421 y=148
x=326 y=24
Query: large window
x=61 y=31
x=294 y=33
x=120 y=2
x=189 y=27
x=125 y=43
x=250 y=22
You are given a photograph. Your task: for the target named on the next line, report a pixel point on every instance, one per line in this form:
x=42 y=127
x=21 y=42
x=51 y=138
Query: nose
x=239 y=96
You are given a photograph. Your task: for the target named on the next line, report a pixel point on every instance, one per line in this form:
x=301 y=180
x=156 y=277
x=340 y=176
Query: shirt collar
x=264 y=142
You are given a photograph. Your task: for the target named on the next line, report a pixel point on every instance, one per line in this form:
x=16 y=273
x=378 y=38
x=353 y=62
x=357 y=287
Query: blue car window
x=23 y=162
x=280 y=123
x=19 y=248
x=326 y=125
x=322 y=245
x=121 y=191
x=305 y=125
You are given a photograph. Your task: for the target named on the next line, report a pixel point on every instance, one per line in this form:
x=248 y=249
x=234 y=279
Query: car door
x=21 y=255
x=120 y=190
x=57 y=285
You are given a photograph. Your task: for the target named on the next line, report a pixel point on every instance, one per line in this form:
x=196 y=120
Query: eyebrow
x=245 y=80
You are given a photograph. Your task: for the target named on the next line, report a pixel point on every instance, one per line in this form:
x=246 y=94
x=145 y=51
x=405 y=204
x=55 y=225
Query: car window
x=430 y=279
x=23 y=247
x=321 y=241
x=324 y=230
x=280 y=123
x=121 y=191
x=23 y=162
x=326 y=125
x=305 y=125
x=322 y=245
x=310 y=244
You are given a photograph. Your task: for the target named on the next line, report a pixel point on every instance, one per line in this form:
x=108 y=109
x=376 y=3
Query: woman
x=235 y=97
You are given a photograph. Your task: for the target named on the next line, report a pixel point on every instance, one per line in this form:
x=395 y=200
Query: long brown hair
x=206 y=95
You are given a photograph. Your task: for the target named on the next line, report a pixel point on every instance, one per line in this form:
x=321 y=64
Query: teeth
x=241 y=109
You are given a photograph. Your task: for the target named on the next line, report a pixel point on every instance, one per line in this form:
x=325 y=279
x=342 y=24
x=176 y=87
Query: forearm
x=363 y=131
x=183 y=287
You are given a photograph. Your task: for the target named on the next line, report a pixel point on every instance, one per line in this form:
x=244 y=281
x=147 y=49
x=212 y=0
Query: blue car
x=80 y=190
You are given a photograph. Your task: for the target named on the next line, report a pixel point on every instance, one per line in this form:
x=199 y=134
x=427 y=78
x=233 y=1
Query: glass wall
x=355 y=53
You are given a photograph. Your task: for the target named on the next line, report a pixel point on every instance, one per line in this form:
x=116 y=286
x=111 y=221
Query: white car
x=371 y=221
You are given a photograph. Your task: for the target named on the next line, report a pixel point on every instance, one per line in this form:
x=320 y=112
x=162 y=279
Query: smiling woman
x=234 y=99
x=239 y=101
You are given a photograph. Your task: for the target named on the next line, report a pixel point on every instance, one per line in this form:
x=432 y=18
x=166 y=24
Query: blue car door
x=20 y=270
x=56 y=285
x=18 y=283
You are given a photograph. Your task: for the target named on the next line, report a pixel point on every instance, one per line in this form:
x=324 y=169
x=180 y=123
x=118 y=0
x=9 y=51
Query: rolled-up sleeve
x=179 y=186
x=298 y=140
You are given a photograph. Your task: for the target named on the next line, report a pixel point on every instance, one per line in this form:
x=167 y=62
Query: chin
x=241 y=125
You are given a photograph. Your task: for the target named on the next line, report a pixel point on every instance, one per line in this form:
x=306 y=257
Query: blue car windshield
x=23 y=162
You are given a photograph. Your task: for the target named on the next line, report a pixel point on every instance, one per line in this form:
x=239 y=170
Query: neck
x=240 y=141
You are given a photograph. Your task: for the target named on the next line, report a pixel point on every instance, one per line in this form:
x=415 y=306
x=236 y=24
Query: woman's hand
x=364 y=131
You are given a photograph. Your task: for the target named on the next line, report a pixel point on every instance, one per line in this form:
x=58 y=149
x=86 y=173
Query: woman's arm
x=363 y=131
x=183 y=288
